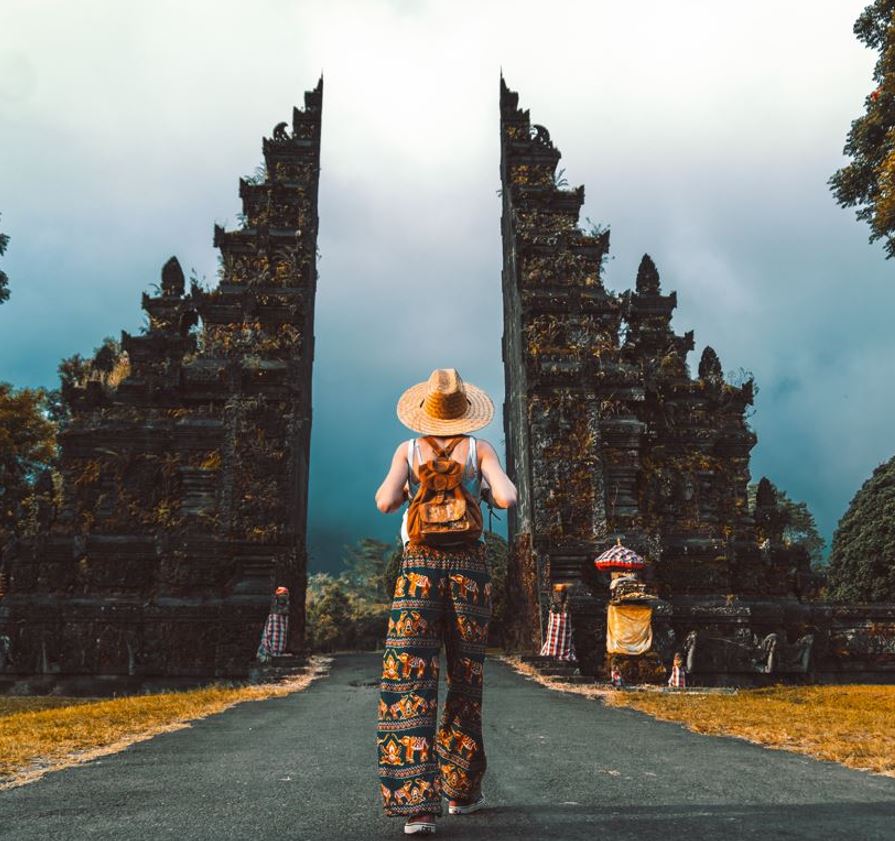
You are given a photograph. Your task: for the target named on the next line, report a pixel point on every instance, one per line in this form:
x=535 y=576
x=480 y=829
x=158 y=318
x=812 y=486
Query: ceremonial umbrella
x=619 y=558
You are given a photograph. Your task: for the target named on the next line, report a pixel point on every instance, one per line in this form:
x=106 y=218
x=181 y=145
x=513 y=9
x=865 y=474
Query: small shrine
x=629 y=618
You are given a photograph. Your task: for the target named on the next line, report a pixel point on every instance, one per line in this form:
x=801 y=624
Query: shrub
x=862 y=559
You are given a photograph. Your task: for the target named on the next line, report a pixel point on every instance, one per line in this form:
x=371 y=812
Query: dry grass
x=853 y=725
x=38 y=735
x=31 y=703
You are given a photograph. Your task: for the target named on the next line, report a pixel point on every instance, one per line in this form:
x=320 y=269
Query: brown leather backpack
x=443 y=512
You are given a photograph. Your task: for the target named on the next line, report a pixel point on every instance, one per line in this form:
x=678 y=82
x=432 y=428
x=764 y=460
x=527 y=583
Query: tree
x=27 y=450
x=4 y=280
x=868 y=182
x=109 y=366
x=371 y=567
x=862 y=559
x=800 y=528
x=329 y=616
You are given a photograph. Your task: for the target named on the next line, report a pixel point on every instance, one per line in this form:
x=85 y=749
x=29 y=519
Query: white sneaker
x=419 y=828
x=467 y=808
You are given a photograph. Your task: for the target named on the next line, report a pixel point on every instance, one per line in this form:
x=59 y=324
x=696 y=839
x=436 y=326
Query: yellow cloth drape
x=629 y=628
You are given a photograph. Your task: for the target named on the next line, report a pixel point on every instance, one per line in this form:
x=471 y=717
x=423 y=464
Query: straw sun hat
x=444 y=405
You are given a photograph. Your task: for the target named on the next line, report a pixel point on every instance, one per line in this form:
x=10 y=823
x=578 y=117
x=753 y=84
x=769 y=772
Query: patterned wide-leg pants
x=441 y=596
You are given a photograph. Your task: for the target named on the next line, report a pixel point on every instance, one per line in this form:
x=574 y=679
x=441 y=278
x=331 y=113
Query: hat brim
x=479 y=412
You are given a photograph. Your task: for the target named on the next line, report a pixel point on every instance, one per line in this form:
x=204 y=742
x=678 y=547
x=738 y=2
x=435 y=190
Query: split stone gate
x=185 y=462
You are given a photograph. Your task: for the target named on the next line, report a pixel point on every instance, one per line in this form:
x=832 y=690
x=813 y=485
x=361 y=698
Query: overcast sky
x=704 y=132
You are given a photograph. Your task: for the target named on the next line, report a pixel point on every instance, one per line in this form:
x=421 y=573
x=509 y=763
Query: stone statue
x=782 y=657
x=770 y=655
x=5 y=652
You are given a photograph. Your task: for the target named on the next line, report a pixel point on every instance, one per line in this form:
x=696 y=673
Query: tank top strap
x=413 y=444
x=410 y=442
x=473 y=457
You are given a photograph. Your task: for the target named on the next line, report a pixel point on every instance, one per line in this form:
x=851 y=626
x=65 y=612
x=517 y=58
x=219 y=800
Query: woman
x=442 y=595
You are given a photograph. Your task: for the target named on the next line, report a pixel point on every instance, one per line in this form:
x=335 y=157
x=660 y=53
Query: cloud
x=704 y=133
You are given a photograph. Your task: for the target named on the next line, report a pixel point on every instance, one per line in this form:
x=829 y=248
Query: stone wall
x=185 y=484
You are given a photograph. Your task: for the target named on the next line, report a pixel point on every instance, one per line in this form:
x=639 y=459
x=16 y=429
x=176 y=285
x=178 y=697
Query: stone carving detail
x=770 y=655
x=541 y=136
x=710 y=367
x=172 y=279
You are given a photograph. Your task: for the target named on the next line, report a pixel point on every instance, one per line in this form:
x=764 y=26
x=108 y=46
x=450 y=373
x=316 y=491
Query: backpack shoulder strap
x=430 y=440
x=446 y=450
x=450 y=447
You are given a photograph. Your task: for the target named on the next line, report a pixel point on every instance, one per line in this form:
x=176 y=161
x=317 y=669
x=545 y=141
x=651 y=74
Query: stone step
x=689 y=690
x=540 y=662
x=557 y=671
x=288 y=660
x=574 y=679
x=550 y=666
x=277 y=669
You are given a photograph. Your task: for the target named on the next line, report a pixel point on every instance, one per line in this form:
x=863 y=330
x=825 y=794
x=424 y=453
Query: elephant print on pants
x=442 y=597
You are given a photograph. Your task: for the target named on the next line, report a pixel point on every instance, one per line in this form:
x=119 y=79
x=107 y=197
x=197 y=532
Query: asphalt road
x=560 y=767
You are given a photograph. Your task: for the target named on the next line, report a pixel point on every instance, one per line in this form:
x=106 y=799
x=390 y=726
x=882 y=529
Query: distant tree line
x=350 y=610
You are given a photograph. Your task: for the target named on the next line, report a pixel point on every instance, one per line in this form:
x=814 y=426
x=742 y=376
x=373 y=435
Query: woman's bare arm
x=503 y=491
x=393 y=490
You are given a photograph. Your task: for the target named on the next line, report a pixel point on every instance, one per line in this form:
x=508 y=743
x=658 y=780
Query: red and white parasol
x=619 y=558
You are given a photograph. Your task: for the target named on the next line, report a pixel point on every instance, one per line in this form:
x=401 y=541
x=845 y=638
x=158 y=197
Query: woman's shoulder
x=484 y=446
x=401 y=449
